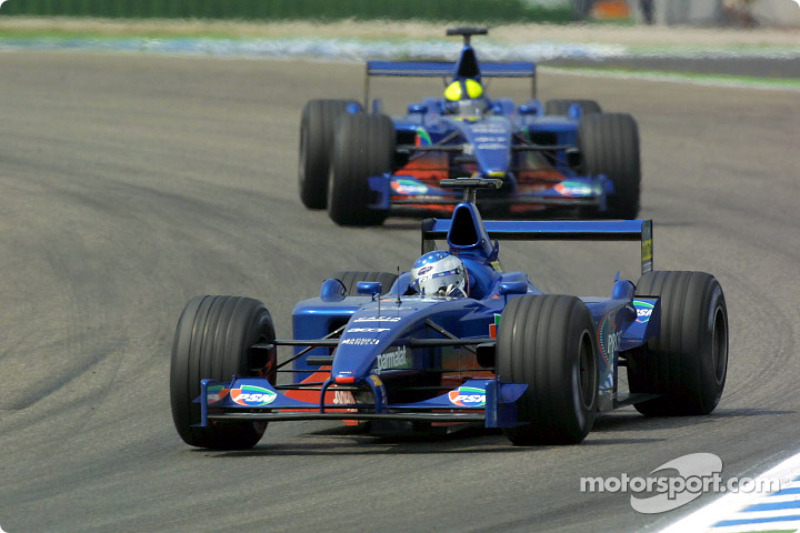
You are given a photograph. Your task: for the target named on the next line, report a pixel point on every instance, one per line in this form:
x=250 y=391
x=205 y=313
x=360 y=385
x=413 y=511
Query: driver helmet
x=464 y=98
x=439 y=273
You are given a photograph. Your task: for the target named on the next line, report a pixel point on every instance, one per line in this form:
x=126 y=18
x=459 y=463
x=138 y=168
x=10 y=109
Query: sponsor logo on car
x=367 y=330
x=613 y=342
x=360 y=341
x=608 y=338
x=493 y=327
x=215 y=393
x=410 y=187
x=397 y=359
x=424 y=270
x=253 y=396
x=422 y=138
x=491 y=146
x=468 y=397
x=572 y=188
x=378 y=319
x=647 y=246
x=489 y=127
x=643 y=311
x=647 y=250
x=343 y=397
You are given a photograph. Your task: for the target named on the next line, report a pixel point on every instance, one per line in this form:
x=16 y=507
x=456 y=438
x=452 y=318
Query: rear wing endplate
x=446 y=69
x=554 y=230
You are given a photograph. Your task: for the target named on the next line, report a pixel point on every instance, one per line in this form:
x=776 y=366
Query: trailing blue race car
x=565 y=155
x=456 y=340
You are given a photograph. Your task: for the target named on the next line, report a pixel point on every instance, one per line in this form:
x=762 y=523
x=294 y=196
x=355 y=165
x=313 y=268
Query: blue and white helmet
x=439 y=273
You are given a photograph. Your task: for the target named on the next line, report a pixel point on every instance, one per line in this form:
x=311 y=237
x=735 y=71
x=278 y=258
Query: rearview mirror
x=513 y=287
x=332 y=290
x=370 y=288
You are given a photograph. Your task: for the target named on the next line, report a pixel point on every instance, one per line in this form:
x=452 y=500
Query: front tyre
x=213 y=340
x=317 y=130
x=688 y=363
x=364 y=147
x=609 y=144
x=547 y=342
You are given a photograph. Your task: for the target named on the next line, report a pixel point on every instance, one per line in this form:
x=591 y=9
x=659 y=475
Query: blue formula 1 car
x=563 y=158
x=373 y=349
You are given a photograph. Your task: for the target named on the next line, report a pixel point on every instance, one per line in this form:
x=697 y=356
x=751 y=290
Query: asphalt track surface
x=130 y=183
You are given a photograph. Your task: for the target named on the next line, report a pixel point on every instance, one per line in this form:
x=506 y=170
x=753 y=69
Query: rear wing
x=554 y=230
x=446 y=69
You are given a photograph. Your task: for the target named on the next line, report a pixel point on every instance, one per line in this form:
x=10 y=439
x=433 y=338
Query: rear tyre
x=364 y=147
x=350 y=280
x=561 y=107
x=547 y=342
x=317 y=128
x=609 y=144
x=213 y=340
x=688 y=363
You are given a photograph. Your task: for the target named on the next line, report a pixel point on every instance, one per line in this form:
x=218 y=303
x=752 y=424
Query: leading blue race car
x=390 y=351
x=565 y=158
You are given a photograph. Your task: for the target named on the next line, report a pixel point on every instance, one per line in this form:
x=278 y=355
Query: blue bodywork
x=518 y=143
x=390 y=355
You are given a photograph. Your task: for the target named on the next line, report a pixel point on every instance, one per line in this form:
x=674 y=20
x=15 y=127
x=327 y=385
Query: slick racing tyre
x=364 y=147
x=350 y=280
x=547 y=343
x=688 y=363
x=317 y=128
x=609 y=144
x=213 y=340
x=561 y=107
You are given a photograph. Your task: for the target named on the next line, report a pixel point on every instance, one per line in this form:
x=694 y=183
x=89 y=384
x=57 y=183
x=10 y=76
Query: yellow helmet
x=460 y=90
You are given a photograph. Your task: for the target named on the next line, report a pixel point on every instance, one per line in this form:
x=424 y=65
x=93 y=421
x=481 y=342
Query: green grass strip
x=701 y=78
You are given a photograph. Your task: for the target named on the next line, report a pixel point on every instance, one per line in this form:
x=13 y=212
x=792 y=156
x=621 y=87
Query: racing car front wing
x=255 y=399
x=399 y=190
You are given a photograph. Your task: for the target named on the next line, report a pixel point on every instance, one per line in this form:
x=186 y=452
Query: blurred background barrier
x=473 y=11
x=738 y=13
